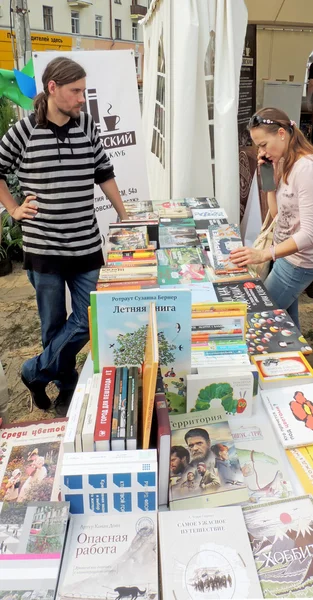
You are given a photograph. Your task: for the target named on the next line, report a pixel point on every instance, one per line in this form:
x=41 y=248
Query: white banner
x=112 y=99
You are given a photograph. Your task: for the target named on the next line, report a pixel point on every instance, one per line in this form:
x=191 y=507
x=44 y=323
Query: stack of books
x=141 y=211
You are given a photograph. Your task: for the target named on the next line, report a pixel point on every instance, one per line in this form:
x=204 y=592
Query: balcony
x=79 y=3
x=137 y=11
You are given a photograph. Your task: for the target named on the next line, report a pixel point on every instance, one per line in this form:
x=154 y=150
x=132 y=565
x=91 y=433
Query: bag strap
x=266 y=226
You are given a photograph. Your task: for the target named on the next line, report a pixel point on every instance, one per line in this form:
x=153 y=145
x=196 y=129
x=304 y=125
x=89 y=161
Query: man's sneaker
x=63 y=402
x=38 y=393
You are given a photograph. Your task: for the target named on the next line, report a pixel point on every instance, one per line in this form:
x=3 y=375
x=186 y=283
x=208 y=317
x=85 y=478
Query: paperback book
x=119 y=325
x=251 y=291
x=132 y=410
x=222 y=240
x=261 y=460
x=127 y=238
x=205 y=553
x=205 y=470
x=282 y=368
x=274 y=331
x=281 y=537
x=175 y=258
x=105 y=482
x=124 y=565
x=178 y=222
x=301 y=460
x=32 y=539
x=185 y=274
x=30 y=461
x=291 y=413
x=201 y=202
x=104 y=410
x=205 y=218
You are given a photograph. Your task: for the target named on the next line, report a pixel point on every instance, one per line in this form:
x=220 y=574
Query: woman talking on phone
x=291 y=203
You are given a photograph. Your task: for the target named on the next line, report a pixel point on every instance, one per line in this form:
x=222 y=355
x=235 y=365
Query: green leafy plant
x=11 y=242
x=7 y=116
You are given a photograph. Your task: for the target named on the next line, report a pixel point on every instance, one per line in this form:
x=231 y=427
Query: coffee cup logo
x=111 y=121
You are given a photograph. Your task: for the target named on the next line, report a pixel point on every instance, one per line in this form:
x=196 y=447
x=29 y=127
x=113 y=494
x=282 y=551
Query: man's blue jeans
x=62 y=337
x=285 y=283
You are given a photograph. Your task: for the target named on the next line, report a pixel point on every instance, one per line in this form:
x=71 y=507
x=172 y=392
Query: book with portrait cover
x=205 y=470
x=281 y=537
x=119 y=325
x=222 y=240
x=30 y=460
x=32 y=539
x=205 y=553
x=274 y=331
x=123 y=562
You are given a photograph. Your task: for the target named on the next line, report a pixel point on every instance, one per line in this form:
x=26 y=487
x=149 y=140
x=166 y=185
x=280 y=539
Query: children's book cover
x=110 y=557
x=261 y=460
x=301 y=460
x=282 y=368
x=274 y=331
x=185 y=274
x=233 y=391
x=206 y=554
x=251 y=291
x=119 y=325
x=291 y=412
x=281 y=537
x=205 y=469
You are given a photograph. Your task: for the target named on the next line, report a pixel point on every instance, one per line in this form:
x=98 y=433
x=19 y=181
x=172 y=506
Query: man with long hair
x=58 y=156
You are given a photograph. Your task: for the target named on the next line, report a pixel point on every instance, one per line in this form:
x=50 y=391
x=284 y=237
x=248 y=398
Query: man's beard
x=70 y=113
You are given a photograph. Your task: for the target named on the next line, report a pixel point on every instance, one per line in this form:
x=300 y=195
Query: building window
x=137 y=64
x=98 y=25
x=135 y=32
x=118 y=29
x=47 y=18
x=158 y=136
x=118 y=1
x=75 y=21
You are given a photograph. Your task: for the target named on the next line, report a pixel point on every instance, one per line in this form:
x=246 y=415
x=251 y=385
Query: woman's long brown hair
x=61 y=70
x=298 y=144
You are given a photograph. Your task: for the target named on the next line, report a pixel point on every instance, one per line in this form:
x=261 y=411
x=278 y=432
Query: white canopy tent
x=193 y=52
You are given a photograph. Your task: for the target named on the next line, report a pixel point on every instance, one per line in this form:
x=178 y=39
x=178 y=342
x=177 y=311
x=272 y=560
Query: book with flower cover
x=205 y=553
x=32 y=540
x=291 y=413
x=281 y=538
x=30 y=460
x=222 y=240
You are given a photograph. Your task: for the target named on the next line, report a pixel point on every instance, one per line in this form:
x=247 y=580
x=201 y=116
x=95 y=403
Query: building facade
x=78 y=25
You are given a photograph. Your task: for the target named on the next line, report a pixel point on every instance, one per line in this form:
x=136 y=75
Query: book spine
x=82 y=414
x=75 y=407
x=122 y=408
x=132 y=412
x=105 y=407
x=117 y=392
x=91 y=412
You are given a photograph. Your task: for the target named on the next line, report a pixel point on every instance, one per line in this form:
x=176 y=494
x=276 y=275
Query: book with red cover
x=104 y=412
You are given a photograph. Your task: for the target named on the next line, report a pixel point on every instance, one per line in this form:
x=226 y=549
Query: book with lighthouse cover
x=109 y=557
x=205 y=553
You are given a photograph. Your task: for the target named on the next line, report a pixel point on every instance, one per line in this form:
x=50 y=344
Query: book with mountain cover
x=205 y=553
x=32 y=540
x=281 y=537
x=206 y=470
x=127 y=565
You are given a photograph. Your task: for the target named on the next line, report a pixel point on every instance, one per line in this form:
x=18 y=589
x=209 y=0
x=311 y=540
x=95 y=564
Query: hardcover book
x=282 y=368
x=171 y=237
x=205 y=553
x=132 y=410
x=81 y=418
x=222 y=240
x=281 y=537
x=177 y=257
x=91 y=414
x=260 y=459
x=178 y=222
x=205 y=470
x=274 y=331
x=30 y=461
x=124 y=564
x=227 y=389
x=291 y=413
x=251 y=291
x=119 y=325
x=110 y=482
x=301 y=460
x=117 y=441
x=127 y=238
x=104 y=411
x=163 y=439
x=149 y=377
x=32 y=539
x=74 y=412
x=182 y=275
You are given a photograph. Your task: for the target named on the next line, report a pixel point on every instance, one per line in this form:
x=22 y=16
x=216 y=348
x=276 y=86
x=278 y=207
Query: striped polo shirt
x=58 y=165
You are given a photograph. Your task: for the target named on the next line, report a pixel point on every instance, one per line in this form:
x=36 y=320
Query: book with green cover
x=184 y=274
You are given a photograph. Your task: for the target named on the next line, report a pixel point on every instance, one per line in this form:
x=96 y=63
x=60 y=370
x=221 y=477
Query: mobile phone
x=267 y=176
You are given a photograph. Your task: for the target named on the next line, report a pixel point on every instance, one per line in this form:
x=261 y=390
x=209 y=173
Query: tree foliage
x=130 y=348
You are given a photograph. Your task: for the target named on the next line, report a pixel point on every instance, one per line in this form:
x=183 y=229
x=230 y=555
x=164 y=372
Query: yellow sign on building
x=40 y=42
